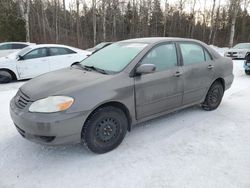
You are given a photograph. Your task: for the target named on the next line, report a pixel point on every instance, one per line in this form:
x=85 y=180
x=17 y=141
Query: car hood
x=61 y=82
x=237 y=50
x=6 y=59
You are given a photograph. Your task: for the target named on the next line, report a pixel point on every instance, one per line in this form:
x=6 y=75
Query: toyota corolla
x=99 y=99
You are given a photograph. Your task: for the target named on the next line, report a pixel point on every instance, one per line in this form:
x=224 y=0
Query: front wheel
x=5 y=77
x=105 y=129
x=214 y=97
x=247 y=72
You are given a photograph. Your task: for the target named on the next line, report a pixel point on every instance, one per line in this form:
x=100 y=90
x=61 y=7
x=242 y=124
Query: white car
x=7 y=48
x=239 y=51
x=38 y=59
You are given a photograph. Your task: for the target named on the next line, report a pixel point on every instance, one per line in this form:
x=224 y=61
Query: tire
x=213 y=97
x=5 y=77
x=247 y=72
x=105 y=129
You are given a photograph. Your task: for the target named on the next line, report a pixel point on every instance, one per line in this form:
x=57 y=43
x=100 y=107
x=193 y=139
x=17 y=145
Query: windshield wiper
x=79 y=65
x=96 y=69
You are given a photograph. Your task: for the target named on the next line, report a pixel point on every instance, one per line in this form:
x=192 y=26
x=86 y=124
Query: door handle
x=178 y=74
x=210 y=67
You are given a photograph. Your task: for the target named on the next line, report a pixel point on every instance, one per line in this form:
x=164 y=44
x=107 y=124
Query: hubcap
x=107 y=129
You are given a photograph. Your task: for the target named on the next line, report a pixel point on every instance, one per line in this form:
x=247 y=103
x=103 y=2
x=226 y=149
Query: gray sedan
x=101 y=98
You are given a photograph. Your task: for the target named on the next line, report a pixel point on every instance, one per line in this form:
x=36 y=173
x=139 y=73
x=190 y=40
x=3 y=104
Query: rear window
x=19 y=46
x=5 y=47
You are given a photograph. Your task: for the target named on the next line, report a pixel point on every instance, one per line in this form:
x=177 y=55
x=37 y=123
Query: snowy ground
x=190 y=148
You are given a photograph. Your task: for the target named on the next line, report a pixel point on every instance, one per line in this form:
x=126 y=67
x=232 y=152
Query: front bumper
x=51 y=128
x=235 y=55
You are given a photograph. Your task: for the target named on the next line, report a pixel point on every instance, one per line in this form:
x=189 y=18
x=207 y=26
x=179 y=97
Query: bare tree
x=104 y=19
x=165 y=17
x=25 y=11
x=216 y=24
x=77 y=23
x=94 y=20
x=192 y=19
x=212 y=23
x=235 y=6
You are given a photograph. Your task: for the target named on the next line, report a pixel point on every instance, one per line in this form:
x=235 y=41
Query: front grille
x=22 y=100
x=232 y=53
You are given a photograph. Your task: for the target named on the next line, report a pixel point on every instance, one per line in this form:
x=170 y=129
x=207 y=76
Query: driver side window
x=37 y=53
x=164 y=57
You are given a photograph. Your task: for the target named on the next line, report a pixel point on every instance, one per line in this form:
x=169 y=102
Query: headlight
x=51 y=104
x=241 y=53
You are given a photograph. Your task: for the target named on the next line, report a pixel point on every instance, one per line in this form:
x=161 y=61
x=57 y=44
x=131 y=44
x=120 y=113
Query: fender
x=9 y=66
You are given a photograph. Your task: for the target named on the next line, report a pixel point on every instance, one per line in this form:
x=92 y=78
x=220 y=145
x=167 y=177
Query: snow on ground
x=190 y=148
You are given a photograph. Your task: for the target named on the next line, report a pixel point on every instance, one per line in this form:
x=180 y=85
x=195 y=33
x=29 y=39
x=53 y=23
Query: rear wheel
x=5 y=77
x=214 y=97
x=105 y=129
x=247 y=72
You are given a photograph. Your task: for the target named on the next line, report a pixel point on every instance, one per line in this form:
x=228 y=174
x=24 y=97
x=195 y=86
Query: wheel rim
x=107 y=130
x=214 y=97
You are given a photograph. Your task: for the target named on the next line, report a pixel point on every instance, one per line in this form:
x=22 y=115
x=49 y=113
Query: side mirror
x=20 y=58
x=145 y=69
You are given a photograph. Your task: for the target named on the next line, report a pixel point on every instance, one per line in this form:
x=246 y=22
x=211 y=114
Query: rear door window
x=54 y=51
x=18 y=46
x=192 y=53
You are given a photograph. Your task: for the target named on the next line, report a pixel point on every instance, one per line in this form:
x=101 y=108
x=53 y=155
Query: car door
x=198 y=71
x=61 y=57
x=162 y=90
x=34 y=63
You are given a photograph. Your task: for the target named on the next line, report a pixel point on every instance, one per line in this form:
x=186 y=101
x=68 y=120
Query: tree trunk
x=235 y=13
x=94 y=20
x=24 y=6
x=212 y=23
x=77 y=24
x=165 y=18
x=104 y=19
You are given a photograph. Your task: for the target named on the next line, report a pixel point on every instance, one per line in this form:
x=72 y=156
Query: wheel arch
x=13 y=74
x=117 y=105
x=221 y=80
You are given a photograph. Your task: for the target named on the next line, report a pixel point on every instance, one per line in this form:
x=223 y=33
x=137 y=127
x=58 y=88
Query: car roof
x=155 y=40
x=243 y=43
x=54 y=45
x=32 y=47
x=16 y=43
x=152 y=40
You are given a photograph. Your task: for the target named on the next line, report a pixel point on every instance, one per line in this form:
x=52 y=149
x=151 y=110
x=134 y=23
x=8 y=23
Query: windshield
x=115 y=57
x=24 y=51
x=242 y=46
